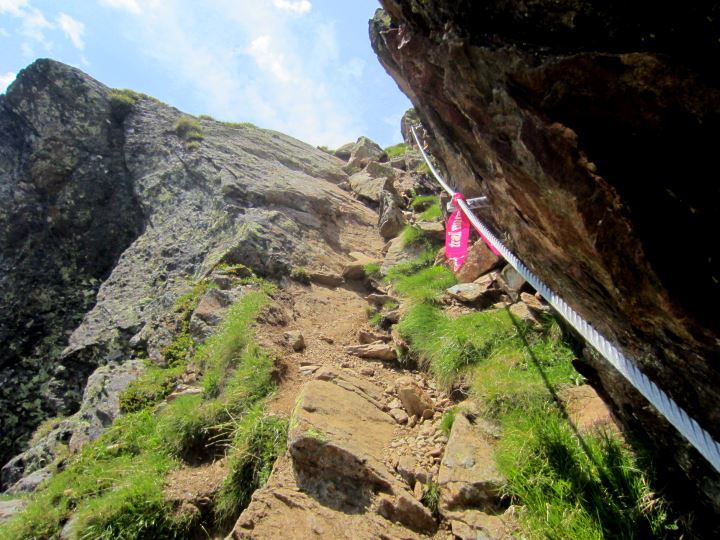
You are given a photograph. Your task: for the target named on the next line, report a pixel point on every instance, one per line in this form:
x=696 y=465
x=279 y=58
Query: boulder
x=468 y=475
x=366 y=336
x=334 y=483
x=8 y=508
x=391 y=218
x=326 y=278
x=399 y=416
x=30 y=483
x=525 y=314
x=367 y=187
x=295 y=340
x=363 y=152
x=345 y=151
x=480 y=260
x=373 y=351
x=414 y=399
x=467 y=292
x=433 y=229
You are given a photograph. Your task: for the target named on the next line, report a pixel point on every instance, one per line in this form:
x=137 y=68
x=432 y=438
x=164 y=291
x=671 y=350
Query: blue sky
x=303 y=67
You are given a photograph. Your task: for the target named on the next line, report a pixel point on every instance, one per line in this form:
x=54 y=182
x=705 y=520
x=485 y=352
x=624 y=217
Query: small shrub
x=192 y=146
x=206 y=117
x=177 y=352
x=122 y=102
x=447 y=421
x=397 y=150
x=431 y=497
x=150 y=388
x=300 y=274
x=189 y=129
x=423 y=169
x=326 y=149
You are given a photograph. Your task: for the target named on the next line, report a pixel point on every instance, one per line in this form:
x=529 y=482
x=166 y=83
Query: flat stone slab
x=373 y=351
x=469 y=477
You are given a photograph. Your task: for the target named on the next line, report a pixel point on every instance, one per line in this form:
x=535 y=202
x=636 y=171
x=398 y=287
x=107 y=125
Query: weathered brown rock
x=295 y=340
x=374 y=351
x=432 y=229
x=414 y=399
x=366 y=336
x=480 y=260
x=363 y=152
x=324 y=277
x=468 y=474
x=398 y=252
x=335 y=483
x=592 y=143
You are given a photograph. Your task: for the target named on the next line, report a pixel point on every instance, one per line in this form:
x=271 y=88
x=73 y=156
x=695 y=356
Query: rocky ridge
x=110 y=208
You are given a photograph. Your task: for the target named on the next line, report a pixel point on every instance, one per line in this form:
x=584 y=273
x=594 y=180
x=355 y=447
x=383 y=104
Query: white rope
x=687 y=426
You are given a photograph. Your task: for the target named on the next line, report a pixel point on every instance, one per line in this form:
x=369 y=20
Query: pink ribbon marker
x=457 y=234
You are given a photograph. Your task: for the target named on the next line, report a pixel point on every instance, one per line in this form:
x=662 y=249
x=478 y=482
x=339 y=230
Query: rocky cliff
x=590 y=126
x=112 y=203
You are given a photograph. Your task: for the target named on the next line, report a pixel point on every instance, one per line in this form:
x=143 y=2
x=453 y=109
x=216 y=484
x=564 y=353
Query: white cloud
x=269 y=58
x=34 y=25
x=73 y=29
x=300 y=6
x=12 y=6
x=5 y=80
x=127 y=5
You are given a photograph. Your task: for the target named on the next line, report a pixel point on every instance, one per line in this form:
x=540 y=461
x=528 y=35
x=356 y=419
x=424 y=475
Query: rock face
x=107 y=211
x=333 y=483
x=590 y=128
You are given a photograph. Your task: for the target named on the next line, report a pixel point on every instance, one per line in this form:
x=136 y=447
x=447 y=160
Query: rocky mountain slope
x=113 y=204
x=590 y=127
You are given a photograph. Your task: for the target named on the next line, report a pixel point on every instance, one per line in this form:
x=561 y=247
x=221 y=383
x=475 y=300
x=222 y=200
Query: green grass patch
x=448 y=420
x=569 y=487
x=431 y=497
x=397 y=150
x=425 y=285
x=114 y=487
x=150 y=388
x=412 y=236
x=189 y=129
x=432 y=213
x=258 y=441
x=122 y=102
x=372 y=269
x=207 y=117
x=589 y=488
x=421 y=202
x=245 y=125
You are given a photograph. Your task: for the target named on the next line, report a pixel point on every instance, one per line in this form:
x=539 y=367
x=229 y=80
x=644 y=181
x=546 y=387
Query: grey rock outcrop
x=105 y=216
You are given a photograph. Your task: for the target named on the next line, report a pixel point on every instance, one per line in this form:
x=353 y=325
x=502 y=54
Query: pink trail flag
x=457 y=234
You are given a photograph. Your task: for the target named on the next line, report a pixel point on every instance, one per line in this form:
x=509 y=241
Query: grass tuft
x=113 y=488
x=397 y=150
x=258 y=441
x=189 y=129
x=576 y=488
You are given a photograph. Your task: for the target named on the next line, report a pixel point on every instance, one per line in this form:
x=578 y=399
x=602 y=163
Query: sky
x=303 y=67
